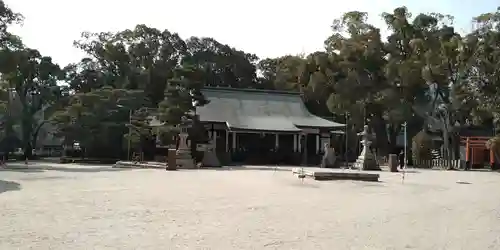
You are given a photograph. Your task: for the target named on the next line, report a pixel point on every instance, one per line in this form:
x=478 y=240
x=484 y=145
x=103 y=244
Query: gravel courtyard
x=78 y=207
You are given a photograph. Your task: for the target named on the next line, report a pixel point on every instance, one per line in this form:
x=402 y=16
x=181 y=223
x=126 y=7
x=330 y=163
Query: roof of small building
x=251 y=109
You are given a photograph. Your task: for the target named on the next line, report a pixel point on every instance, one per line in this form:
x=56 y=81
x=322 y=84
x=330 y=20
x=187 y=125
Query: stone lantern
x=366 y=160
x=184 y=158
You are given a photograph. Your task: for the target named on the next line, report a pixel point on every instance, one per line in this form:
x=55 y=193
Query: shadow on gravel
x=42 y=168
x=370 y=183
x=482 y=170
x=304 y=184
x=411 y=171
x=21 y=170
x=6 y=186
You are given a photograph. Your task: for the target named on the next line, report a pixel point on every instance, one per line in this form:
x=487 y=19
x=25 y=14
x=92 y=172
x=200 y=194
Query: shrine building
x=261 y=126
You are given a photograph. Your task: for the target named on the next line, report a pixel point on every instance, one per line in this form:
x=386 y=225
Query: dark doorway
x=309 y=155
x=285 y=152
x=255 y=148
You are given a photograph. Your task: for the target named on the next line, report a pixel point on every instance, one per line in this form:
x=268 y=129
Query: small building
x=262 y=126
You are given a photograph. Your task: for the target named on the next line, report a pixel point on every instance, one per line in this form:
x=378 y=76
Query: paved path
x=77 y=207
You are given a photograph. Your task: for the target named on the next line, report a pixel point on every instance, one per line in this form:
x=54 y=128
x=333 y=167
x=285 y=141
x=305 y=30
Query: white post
x=405 y=145
x=129 y=133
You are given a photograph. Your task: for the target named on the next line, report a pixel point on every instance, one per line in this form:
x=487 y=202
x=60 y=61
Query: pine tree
x=182 y=95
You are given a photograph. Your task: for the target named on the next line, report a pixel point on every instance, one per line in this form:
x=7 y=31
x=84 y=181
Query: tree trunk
x=26 y=127
x=34 y=138
x=393 y=137
x=382 y=142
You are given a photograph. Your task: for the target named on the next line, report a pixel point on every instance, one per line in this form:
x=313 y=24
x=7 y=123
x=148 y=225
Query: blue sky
x=264 y=27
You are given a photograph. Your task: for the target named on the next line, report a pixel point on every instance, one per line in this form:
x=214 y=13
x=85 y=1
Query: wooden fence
x=438 y=163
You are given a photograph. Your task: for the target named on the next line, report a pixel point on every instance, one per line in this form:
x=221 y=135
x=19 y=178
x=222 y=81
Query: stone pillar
x=393 y=163
x=171 y=159
x=276 y=140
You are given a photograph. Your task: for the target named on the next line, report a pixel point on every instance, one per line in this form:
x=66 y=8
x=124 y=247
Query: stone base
x=367 y=162
x=184 y=160
x=370 y=165
x=210 y=159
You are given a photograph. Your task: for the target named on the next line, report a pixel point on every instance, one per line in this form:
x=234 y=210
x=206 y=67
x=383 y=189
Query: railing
x=435 y=154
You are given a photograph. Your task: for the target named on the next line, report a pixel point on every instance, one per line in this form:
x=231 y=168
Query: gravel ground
x=100 y=208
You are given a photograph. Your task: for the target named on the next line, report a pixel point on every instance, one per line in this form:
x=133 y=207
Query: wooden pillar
x=492 y=157
x=317 y=144
x=234 y=141
x=214 y=138
x=467 y=149
x=276 y=140
x=295 y=137
x=227 y=140
x=299 y=142
x=157 y=138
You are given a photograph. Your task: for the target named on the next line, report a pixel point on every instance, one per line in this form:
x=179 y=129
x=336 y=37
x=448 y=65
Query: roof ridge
x=262 y=91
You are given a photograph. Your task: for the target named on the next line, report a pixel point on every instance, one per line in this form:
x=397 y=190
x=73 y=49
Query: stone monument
x=210 y=158
x=184 y=158
x=329 y=158
x=393 y=163
x=366 y=160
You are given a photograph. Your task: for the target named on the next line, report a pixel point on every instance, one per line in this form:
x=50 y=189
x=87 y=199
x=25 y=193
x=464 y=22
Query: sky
x=267 y=28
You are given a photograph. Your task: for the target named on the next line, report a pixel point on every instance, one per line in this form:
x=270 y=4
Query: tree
x=34 y=79
x=359 y=84
x=7 y=42
x=482 y=83
x=182 y=96
x=281 y=73
x=427 y=62
x=221 y=65
x=7 y=17
x=98 y=120
x=143 y=58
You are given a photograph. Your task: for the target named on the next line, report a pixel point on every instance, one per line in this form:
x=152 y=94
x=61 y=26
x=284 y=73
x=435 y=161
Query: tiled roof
x=259 y=110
